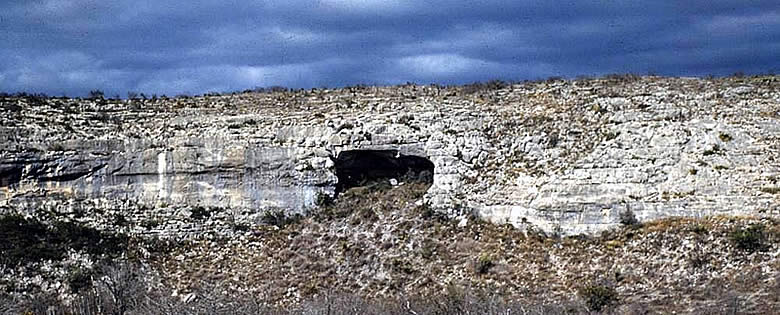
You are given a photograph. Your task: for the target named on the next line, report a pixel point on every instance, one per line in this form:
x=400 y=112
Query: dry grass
x=374 y=251
x=381 y=246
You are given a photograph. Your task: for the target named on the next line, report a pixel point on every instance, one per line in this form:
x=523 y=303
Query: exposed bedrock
x=566 y=157
x=202 y=172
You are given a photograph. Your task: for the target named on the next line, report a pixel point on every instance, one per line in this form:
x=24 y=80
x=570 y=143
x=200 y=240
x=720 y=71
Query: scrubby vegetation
x=376 y=250
x=376 y=245
x=279 y=218
x=24 y=241
x=751 y=238
x=483 y=264
x=478 y=87
x=629 y=218
x=122 y=290
x=598 y=297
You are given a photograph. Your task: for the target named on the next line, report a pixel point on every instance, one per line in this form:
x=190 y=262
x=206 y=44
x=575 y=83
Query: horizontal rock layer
x=566 y=157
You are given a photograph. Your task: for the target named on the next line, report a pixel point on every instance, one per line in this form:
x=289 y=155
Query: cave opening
x=10 y=175
x=356 y=168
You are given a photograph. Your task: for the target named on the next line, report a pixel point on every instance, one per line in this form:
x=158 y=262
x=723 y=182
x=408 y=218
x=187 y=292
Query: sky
x=70 y=47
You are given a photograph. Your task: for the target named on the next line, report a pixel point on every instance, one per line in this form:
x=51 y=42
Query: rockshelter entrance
x=363 y=167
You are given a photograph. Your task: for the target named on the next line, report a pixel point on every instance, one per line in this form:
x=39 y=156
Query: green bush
x=483 y=263
x=96 y=94
x=598 y=296
x=700 y=229
x=24 y=241
x=90 y=240
x=750 y=239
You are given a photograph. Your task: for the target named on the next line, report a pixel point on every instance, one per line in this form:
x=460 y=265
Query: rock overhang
x=358 y=167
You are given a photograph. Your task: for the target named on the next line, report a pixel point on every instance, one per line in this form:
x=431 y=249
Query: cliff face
x=563 y=156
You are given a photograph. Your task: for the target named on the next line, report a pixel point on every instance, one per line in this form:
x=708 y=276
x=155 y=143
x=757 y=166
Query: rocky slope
x=624 y=194
x=566 y=157
x=374 y=251
x=375 y=244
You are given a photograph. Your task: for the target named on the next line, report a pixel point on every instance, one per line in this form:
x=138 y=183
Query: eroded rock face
x=564 y=156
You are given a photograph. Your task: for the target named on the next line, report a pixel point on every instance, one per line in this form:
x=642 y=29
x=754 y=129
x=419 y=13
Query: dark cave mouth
x=357 y=168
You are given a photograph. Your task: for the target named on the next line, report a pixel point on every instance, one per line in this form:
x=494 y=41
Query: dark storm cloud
x=171 y=47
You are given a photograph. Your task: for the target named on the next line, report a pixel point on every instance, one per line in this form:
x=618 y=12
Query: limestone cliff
x=566 y=157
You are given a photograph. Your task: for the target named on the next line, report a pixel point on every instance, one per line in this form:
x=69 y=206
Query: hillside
x=375 y=251
x=622 y=194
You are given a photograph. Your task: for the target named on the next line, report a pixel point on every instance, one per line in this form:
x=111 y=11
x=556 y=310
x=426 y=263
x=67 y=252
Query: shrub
x=78 y=279
x=598 y=296
x=749 y=239
x=477 y=87
x=270 y=89
x=364 y=215
x=279 y=218
x=121 y=287
x=697 y=258
x=628 y=218
x=622 y=78
x=323 y=200
x=25 y=241
x=158 y=246
x=483 y=263
x=428 y=250
x=120 y=220
x=90 y=240
x=96 y=94
x=150 y=223
x=700 y=229
x=200 y=213
x=402 y=265
x=241 y=227
x=428 y=213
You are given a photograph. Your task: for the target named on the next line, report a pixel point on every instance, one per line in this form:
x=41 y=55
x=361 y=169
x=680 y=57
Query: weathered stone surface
x=564 y=156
